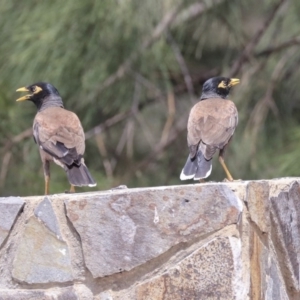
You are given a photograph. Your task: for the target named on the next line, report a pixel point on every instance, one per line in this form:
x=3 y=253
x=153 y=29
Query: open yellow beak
x=26 y=97
x=234 y=81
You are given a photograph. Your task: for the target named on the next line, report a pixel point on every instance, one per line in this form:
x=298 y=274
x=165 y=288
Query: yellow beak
x=26 y=97
x=234 y=81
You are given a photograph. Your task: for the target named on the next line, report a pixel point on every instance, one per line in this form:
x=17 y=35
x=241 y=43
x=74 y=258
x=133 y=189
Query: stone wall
x=237 y=240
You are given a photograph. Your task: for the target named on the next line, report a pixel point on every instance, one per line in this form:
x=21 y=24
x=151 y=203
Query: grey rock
x=45 y=213
x=285 y=211
x=125 y=229
x=9 y=209
x=41 y=257
x=266 y=279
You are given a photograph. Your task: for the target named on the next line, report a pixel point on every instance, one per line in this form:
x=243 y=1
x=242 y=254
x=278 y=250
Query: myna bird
x=211 y=124
x=59 y=135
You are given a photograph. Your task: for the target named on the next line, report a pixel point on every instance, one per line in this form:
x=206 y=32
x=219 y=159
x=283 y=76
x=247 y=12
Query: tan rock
x=206 y=274
x=258 y=204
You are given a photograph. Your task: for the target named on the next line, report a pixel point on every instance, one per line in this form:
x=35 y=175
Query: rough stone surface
x=41 y=257
x=146 y=223
x=266 y=280
x=45 y=213
x=286 y=233
x=9 y=209
x=258 y=204
x=49 y=294
x=190 y=278
x=237 y=240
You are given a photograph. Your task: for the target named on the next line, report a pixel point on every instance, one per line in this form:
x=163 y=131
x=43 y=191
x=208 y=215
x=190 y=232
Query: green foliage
x=77 y=45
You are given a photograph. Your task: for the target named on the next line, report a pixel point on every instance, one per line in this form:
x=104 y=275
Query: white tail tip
x=186 y=177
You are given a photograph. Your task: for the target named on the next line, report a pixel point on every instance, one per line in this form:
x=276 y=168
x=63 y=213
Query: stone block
x=125 y=229
x=45 y=213
x=41 y=257
x=67 y=293
x=285 y=213
x=9 y=210
x=208 y=273
x=258 y=204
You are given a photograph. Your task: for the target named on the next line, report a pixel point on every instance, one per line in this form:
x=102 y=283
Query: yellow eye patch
x=222 y=85
x=232 y=82
x=37 y=89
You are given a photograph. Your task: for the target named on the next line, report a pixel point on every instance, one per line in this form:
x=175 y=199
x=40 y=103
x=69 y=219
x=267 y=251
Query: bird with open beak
x=210 y=127
x=59 y=135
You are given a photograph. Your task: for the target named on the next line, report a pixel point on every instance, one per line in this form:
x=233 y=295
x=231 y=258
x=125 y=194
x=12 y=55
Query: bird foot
x=227 y=180
x=69 y=192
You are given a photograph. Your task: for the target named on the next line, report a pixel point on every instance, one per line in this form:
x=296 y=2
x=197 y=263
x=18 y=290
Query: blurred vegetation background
x=132 y=69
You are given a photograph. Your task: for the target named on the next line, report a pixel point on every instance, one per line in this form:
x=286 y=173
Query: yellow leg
x=46 y=166
x=222 y=162
x=72 y=189
x=201 y=180
x=47 y=180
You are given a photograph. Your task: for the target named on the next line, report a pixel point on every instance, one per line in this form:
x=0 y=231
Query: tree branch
x=159 y=29
x=270 y=50
x=182 y=64
x=158 y=95
x=159 y=148
x=171 y=19
x=108 y=123
x=249 y=48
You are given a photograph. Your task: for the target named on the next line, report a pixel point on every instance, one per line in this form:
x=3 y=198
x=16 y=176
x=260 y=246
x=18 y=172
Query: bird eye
x=33 y=89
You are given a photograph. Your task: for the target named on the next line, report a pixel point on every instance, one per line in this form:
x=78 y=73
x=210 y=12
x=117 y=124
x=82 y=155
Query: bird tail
x=197 y=167
x=80 y=176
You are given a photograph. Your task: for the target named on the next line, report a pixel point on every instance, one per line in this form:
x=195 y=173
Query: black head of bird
x=218 y=87
x=42 y=94
x=59 y=135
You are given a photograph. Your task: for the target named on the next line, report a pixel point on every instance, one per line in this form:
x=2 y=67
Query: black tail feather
x=196 y=168
x=80 y=176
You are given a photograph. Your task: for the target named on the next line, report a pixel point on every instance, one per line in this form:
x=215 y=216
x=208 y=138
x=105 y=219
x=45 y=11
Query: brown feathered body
x=60 y=136
x=211 y=123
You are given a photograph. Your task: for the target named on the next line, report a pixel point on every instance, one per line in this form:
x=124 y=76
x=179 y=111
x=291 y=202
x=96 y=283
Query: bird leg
x=222 y=162
x=47 y=180
x=72 y=189
x=46 y=166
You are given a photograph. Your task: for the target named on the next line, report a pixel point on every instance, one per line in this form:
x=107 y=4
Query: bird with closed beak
x=59 y=135
x=210 y=127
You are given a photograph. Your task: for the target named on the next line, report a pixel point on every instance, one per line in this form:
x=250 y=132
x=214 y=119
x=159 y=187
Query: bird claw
x=227 y=180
